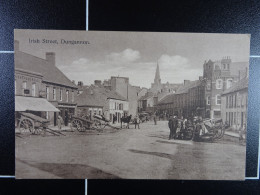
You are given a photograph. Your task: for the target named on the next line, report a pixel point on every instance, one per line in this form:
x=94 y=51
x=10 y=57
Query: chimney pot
x=50 y=57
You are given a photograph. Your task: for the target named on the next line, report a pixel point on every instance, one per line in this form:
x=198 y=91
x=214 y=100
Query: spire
x=157 y=79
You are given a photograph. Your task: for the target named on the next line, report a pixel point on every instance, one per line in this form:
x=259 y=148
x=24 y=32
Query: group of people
x=177 y=126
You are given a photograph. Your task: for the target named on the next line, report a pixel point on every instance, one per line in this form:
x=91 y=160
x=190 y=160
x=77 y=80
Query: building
x=219 y=78
x=122 y=86
x=147 y=103
x=55 y=86
x=235 y=104
x=162 y=89
x=100 y=100
x=188 y=101
x=89 y=103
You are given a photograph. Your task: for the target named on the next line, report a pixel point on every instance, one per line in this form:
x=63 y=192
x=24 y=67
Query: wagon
x=81 y=123
x=31 y=124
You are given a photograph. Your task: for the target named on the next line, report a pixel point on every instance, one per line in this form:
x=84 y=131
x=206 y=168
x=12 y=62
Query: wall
x=232 y=113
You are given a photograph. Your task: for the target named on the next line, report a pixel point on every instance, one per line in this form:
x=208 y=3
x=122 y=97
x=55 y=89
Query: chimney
x=50 y=57
x=186 y=82
x=97 y=82
x=16 y=45
x=246 y=76
x=239 y=75
x=80 y=83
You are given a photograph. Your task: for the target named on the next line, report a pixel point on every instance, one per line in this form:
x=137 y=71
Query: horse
x=126 y=119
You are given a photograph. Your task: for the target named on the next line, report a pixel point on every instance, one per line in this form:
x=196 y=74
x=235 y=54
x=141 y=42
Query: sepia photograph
x=130 y=105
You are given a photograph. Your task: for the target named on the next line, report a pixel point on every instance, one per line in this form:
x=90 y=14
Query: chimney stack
x=16 y=45
x=97 y=82
x=80 y=83
x=50 y=57
x=186 y=82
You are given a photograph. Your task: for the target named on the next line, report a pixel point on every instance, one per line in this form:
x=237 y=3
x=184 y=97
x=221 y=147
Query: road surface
x=144 y=153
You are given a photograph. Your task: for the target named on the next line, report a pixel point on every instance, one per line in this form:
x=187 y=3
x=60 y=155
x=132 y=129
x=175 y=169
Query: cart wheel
x=77 y=124
x=26 y=126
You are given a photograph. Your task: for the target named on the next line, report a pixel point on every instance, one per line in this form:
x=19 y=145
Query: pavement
x=144 y=153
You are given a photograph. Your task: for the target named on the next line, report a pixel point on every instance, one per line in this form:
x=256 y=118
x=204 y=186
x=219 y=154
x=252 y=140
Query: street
x=144 y=153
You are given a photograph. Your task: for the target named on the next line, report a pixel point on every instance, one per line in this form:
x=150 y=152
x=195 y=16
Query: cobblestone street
x=144 y=153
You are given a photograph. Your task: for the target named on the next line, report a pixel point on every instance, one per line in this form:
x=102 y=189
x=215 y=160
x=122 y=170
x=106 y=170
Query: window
x=24 y=84
x=208 y=85
x=224 y=66
x=54 y=93
x=47 y=93
x=218 y=99
x=219 y=84
x=230 y=101
x=229 y=83
x=235 y=101
x=226 y=101
x=208 y=100
x=61 y=91
x=72 y=96
x=33 y=89
x=67 y=95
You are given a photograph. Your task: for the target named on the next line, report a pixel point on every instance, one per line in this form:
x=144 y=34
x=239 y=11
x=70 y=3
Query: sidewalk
x=63 y=128
x=232 y=134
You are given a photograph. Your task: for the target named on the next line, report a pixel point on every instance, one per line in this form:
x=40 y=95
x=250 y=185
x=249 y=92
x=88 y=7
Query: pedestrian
x=137 y=121
x=114 y=118
x=155 y=119
x=170 y=125
x=60 y=121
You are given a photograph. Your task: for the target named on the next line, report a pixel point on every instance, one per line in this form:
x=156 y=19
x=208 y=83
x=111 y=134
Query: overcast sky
x=135 y=54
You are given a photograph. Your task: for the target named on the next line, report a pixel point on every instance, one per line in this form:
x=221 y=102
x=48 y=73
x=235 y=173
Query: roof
x=237 y=86
x=96 y=96
x=49 y=71
x=23 y=103
x=146 y=97
x=181 y=90
x=185 y=88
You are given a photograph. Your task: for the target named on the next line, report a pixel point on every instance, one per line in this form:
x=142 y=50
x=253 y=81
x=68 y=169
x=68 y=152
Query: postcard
x=130 y=105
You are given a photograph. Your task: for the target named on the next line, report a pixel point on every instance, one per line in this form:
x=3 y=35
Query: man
x=172 y=126
x=60 y=121
x=155 y=119
x=137 y=121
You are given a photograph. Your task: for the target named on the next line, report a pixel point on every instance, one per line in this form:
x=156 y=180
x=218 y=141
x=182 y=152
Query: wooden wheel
x=77 y=124
x=26 y=126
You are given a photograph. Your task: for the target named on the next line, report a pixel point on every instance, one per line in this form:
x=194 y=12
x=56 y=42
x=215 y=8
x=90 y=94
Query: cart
x=31 y=124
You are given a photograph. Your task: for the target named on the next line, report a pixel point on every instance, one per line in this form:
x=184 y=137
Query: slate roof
x=96 y=96
x=182 y=89
x=185 y=88
x=50 y=72
x=237 y=86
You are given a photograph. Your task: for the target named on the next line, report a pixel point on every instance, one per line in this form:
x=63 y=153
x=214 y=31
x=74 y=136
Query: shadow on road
x=159 y=154
x=71 y=171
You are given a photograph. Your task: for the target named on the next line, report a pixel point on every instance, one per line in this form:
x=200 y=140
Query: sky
x=135 y=54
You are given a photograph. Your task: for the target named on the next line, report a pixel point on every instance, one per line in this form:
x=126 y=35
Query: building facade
x=55 y=86
x=235 y=104
x=219 y=78
x=187 y=102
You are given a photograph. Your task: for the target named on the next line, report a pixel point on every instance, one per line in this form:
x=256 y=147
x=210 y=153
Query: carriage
x=83 y=123
x=29 y=123
x=209 y=130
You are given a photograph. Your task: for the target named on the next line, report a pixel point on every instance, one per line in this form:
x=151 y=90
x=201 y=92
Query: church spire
x=157 y=79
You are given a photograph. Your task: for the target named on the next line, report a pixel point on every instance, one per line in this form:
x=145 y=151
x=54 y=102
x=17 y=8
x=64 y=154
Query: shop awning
x=33 y=104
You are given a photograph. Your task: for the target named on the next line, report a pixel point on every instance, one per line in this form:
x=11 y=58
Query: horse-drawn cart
x=82 y=123
x=29 y=123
